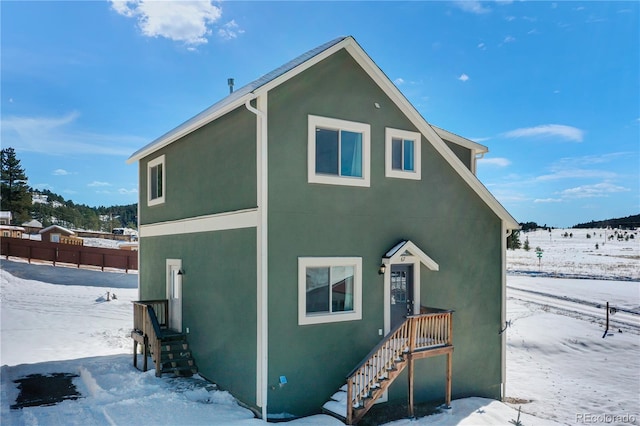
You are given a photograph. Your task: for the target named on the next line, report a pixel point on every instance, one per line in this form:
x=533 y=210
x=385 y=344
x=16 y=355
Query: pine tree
x=14 y=191
x=513 y=241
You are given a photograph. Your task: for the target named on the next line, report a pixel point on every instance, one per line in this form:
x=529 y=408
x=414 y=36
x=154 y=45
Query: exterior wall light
x=180 y=272
x=382 y=269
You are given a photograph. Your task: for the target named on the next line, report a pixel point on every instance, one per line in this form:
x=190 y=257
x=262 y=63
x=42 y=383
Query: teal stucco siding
x=219 y=300
x=211 y=170
x=439 y=213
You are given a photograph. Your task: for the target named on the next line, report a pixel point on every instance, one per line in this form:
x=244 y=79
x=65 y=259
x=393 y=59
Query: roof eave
x=457 y=139
x=187 y=127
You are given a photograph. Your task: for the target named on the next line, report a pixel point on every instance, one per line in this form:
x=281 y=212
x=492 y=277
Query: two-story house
x=301 y=229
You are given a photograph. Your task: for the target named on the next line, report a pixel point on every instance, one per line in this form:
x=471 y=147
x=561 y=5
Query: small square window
x=329 y=289
x=156 y=181
x=402 y=154
x=338 y=152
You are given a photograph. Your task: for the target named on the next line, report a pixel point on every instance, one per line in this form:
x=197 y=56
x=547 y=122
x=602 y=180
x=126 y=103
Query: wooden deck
x=168 y=348
x=419 y=336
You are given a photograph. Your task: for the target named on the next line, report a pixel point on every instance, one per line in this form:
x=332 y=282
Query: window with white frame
x=402 y=154
x=329 y=289
x=338 y=152
x=156 y=181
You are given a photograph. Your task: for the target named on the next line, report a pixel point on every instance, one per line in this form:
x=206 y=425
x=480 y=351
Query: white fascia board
x=186 y=128
x=216 y=222
x=428 y=132
x=459 y=140
x=408 y=246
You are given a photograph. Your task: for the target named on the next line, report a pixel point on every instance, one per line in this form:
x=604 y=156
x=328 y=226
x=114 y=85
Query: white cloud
x=230 y=30
x=576 y=174
x=125 y=191
x=509 y=39
x=398 y=81
x=592 y=191
x=186 y=21
x=510 y=18
x=498 y=161
x=97 y=183
x=548 y=130
x=463 y=77
x=60 y=172
x=480 y=140
x=587 y=160
x=58 y=136
x=482 y=46
x=547 y=200
x=472 y=6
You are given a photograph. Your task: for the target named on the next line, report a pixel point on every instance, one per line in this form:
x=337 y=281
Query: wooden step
x=181 y=371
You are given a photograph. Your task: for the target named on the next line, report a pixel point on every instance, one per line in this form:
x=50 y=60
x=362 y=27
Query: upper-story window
x=338 y=152
x=155 y=181
x=402 y=154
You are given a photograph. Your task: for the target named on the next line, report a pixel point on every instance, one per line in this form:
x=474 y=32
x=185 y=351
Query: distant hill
x=52 y=209
x=629 y=222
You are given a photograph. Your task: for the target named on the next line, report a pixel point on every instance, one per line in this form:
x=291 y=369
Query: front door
x=401 y=293
x=174 y=295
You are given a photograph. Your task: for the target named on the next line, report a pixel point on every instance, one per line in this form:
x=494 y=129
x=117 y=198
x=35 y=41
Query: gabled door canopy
x=407 y=248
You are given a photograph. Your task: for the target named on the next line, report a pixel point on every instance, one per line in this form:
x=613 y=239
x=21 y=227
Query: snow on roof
x=33 y=224
x=12 y=228
x=58 y=228
x=395 y=249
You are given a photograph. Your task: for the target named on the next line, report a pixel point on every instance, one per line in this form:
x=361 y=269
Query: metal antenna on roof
x=230 y=83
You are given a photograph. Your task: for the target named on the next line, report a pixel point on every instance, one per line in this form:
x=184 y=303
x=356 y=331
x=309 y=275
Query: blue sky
x=552 y=88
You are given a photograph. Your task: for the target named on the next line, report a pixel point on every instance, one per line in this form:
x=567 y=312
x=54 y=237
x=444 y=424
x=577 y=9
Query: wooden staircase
x=419 y=336
x=168 y=349
x=175 y=355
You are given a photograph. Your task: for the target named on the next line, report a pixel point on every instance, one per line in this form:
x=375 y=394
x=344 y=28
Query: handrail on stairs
x=430 y=329
x=146 y=322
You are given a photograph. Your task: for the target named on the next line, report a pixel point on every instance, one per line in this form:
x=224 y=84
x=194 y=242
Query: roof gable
x=56 y=228
x=307 y=60
x=408 y=248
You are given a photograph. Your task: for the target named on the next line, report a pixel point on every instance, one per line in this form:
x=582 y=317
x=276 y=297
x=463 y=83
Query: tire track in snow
x=577 y=308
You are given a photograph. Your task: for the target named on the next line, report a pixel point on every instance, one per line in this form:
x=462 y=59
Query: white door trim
x=174 y=292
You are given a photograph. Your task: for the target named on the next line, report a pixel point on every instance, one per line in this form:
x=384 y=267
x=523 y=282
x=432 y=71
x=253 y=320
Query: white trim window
x=329 y=289
x=156 y=178
x=402 y=154
x=339 y=152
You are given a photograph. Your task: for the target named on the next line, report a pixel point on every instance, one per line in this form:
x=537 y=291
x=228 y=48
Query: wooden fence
x=66 y=253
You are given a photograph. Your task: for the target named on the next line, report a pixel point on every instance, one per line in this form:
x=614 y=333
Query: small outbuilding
x=58 y=234
x=8 y=231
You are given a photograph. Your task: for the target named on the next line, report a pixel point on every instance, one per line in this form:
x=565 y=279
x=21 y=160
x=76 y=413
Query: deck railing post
x=412 y=334
x=410 y=379
x=450 y=331
x=349 y=400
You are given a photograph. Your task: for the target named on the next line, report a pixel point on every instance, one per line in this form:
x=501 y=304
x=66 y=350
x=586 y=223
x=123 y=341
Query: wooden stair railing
x=169 y=350
x=419 y=336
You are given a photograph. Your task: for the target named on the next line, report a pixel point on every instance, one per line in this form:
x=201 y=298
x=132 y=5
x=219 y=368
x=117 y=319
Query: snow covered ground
x=577 y=256
x=559 y=367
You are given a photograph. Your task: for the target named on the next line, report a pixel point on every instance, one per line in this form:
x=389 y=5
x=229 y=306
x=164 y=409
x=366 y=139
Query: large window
x=155 y=181
x=402 y=154
x=329 y=289
x=339 y=151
